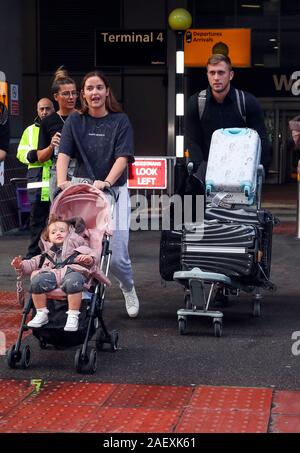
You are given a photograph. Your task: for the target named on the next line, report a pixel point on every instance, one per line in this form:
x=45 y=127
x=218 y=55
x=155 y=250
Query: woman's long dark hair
x=111 y=103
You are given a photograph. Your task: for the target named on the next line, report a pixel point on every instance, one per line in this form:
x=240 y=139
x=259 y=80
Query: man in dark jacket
x=224 y=107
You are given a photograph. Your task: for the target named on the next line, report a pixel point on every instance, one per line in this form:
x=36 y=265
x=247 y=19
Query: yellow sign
x=199 y=45
x=3 y=93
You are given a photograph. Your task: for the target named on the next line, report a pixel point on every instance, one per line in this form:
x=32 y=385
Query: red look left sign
x=147 y=173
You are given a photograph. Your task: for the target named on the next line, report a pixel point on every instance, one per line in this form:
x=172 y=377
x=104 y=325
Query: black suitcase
x=170 y=253
x=236 y=243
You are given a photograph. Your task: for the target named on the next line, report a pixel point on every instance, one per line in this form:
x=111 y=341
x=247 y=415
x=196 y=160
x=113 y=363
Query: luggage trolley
x=23 y=204
x=231 y=250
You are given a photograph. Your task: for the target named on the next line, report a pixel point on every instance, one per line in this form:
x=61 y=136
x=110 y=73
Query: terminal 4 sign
x=130 y=48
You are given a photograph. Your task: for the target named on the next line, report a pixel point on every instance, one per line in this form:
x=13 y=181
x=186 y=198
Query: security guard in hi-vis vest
x=38 y=175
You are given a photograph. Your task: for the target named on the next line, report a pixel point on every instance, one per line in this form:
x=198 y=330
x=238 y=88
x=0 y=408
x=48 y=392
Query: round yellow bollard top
x=180 y=19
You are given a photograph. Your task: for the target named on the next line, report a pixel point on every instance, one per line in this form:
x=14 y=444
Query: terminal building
x=131 y=41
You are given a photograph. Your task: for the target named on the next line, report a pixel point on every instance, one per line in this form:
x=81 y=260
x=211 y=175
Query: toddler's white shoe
x=131 y=302
x=40 y=319
x=72 y=321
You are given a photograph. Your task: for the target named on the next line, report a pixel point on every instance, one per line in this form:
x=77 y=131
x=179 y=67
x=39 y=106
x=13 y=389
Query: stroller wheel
x=114 y=338
x=12 y=357
x=25 y=357
x=78 y=361
x=92 y=365
x=182 y=325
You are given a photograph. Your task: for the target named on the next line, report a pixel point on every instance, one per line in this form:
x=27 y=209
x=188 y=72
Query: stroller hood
x=84 y=200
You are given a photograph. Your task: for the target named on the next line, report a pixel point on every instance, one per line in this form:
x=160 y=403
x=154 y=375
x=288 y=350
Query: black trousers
x=38 y=220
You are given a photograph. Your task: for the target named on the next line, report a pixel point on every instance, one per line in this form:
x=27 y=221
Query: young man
x=38 y=175
x=222 y=106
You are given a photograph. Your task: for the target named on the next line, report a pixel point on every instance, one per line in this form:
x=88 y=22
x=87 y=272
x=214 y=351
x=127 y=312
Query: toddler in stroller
x=66 y=262
x=74 y=262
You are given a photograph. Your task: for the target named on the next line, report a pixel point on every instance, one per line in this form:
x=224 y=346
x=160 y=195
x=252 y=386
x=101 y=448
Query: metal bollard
x=298 y=200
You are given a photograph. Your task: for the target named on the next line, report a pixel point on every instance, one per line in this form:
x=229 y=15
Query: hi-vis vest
x=28 y=142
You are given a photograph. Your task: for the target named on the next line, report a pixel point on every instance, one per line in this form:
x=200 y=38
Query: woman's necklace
x=61 y=117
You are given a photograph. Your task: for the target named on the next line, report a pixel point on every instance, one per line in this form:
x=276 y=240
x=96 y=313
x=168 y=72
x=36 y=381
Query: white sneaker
x=131 y=302
x=39 y=320
x=72 y=322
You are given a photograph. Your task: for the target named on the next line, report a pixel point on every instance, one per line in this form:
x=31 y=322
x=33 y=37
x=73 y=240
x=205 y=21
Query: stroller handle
x=111 y=192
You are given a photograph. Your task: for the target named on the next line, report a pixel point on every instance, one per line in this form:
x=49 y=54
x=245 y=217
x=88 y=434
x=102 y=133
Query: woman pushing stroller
x=100 y=137
x=66 y=262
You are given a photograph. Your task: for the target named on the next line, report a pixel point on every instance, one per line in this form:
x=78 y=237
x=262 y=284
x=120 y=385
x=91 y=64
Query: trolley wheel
x=78 y=361
x=25 y=357
x=100 y=339
x=42 y=343
x=92 y=363
x=256 y=308
x=182 y=323
x=12 y=358
x=218 y=328
x=114 y=338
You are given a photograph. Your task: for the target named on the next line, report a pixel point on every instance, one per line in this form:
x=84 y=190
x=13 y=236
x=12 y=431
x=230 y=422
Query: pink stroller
x=92 y=205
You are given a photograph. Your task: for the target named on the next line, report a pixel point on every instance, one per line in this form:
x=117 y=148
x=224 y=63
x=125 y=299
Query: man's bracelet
x=108 y=183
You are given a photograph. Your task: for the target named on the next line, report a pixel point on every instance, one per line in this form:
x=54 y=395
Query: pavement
x=158 y=381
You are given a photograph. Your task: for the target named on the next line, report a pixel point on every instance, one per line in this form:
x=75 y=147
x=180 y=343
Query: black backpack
x=240 y=99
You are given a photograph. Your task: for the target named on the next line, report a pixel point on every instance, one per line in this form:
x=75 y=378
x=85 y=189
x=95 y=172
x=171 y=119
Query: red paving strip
x=227 y=410
x=286 y=412
x=12 y=393
x=98 y=408
x=149 y=396
x=223 y=421
x=82 y=393
x=133 y=420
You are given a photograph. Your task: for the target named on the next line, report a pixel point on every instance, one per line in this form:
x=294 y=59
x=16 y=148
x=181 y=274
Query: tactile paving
x=47 y=417
x=82 y=393
x=222 y=421
x=12 y=393
x=229 y=398
x=283 y=423
x=9 y=320
x=286 y=402
x=8 y=300
x=11 y=316
x=132 y=420
x=149 y=396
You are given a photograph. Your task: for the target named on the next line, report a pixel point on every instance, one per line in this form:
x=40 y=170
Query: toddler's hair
x=52 y=219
